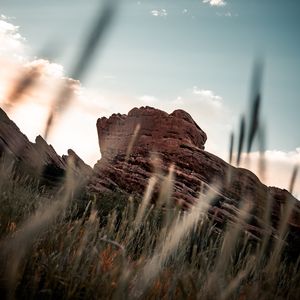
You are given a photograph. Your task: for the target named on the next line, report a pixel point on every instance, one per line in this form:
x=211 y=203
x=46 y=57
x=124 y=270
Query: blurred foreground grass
x=112 y=247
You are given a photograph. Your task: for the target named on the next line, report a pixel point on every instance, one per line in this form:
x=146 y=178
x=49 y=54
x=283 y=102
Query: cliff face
x=154 y=136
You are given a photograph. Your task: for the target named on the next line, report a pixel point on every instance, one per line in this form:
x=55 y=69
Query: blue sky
x=173 y=51
x=166 y=55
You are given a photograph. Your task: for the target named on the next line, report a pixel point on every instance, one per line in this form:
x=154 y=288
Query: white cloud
x=215 y=2
x=194 y=99
x=279 y=167
x=291 y=157
x=148 y=99
x=205 y=106
x=159 y=12
x=211 y=114
x=31 y=111
x=208 y=96
x=76 y=129
x=11 y=42
x=227 y=14
x=209 y=110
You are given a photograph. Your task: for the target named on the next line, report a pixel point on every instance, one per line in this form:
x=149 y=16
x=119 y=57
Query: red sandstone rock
x=159 y=131
x=178 y=140
x=170 y=139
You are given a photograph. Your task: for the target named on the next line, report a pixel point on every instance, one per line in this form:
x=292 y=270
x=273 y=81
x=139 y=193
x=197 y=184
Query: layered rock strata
x=132 y=145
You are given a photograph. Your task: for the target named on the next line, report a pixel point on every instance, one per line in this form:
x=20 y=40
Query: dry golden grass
x=134 y=253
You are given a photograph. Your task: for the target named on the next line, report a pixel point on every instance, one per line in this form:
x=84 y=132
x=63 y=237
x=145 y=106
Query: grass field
x=57 y=244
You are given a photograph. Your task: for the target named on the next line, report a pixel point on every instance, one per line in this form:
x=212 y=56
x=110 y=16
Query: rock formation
x=148 y=141
x=175 y=139
x=37 y=158
x=155 y=131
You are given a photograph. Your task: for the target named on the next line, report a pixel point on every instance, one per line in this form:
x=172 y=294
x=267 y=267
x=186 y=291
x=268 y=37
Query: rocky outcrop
x=154 y=129
x=80 y=166
x=151 y=135
x=147 y=142
x=37 y=158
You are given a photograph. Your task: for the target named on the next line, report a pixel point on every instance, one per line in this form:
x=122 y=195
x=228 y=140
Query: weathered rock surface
x=176 y=139
x=36 y=158
x=155 y=131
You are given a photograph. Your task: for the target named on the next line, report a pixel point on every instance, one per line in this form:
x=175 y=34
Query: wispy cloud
x=148 y=99
x=206 y=107
x=161 y=12
x=208 y=96
x=279 y=167
x=210 y=112
x=194 y=99
x=215 y=2
x=227 y=14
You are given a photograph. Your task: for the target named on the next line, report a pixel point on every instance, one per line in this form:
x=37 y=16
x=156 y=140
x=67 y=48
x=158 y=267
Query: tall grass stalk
x=180 y=229
x=16 y=246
